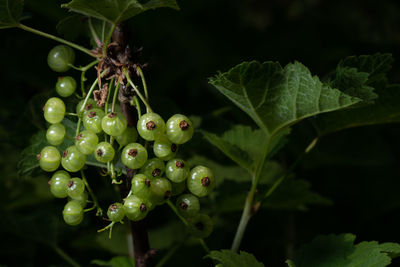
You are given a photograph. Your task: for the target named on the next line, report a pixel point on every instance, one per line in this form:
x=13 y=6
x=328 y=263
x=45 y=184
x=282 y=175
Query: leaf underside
x=231 y=259
x=116 y=11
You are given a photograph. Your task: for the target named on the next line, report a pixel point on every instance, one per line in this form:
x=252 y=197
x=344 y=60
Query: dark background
x=358 y=169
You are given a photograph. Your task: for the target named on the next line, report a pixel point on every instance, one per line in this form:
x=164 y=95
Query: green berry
x=153 y=168
x=60 y=58
x=86 y=142
x=76 y=187
x=201 y=181
x=177 y=170
x=90 y=104
x=72 y=159
x=66 y=86
x=134 y=156
x=81 y=199
x=141 y=186
x=188 y=205
x=179 y=129
x=73 y=213
x=114 y=124
x=92 y=120
x=59 y=184
x=116 y=212
x=150 y=126
x=135 y=208
x=49 y=158
x=164 y=149
x=160 y=190
x=104 y=152
x=178 y=188
x=55 y=134
x=54 y=110
x=201 y=225
x=130 y=135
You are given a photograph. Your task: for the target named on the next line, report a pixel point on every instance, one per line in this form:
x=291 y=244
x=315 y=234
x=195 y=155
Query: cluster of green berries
x=156 y=179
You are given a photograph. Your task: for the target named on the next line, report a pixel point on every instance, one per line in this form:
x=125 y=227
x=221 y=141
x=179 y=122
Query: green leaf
x=353 y=82
x=386 y=109
x=276 y=98
x=119 y=261
x=231 y=259
x=10 y=13
x=116 y=11
x=340 y=251
x=294 y=194
x=377 y=66
x=244 y=145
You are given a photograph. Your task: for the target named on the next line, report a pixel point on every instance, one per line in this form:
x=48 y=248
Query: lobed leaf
x=116 y=11
x=231 y=259
x=276 y=97
x=340 y=251
x=10 y=13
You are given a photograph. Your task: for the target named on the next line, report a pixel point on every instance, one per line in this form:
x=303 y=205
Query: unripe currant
x=66 y=86
x=49 y=158
x=114 y=124
x=72 y=159
x=90 y=104
x=201 y=181
x=135 y=208
x=92 y=120
x=86 y=142
x=59 y=184
x=153 y=168
x=55 y=134
x=60 y=58
x=73 y=213
x=179 y=129
x=141 y=186
x=150 y=126
x=160 y=190
x=81 y=199
x=116 y=212
x=54 y=110
x=188 y=205
x=164 y=149
x=134 y=156
x=177 y=170
x=201 y=225
x=104 y=152
x=76 y=187
x=128 y=136
x=177 y=188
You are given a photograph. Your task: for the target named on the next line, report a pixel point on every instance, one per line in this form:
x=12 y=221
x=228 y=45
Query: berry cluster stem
x=92 y=195
x=146 y=94
x=148 y=108
x=55 y=38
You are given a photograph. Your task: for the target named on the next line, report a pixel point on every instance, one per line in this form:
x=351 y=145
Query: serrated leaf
x=352 y=82
x=376 y=66
x=231 y=259
x=294 y=194
x=276 y=98
x=116 y=11
x=386 y=109
x=10 y=13
x=119 y=261
x=340 y=251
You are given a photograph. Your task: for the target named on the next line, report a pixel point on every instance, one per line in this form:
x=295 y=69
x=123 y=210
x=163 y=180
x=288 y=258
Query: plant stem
x=110 y=85
x=204 y=245
x=108 y=38
x=168 y=255
x=65 y=256
x=71 y=114
x=246 y=214
x=139 y=111
x=115 y=97
x=55 y=38
x=143 y=82
x=93 y=32
x=148 y=108
x=92 y=195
